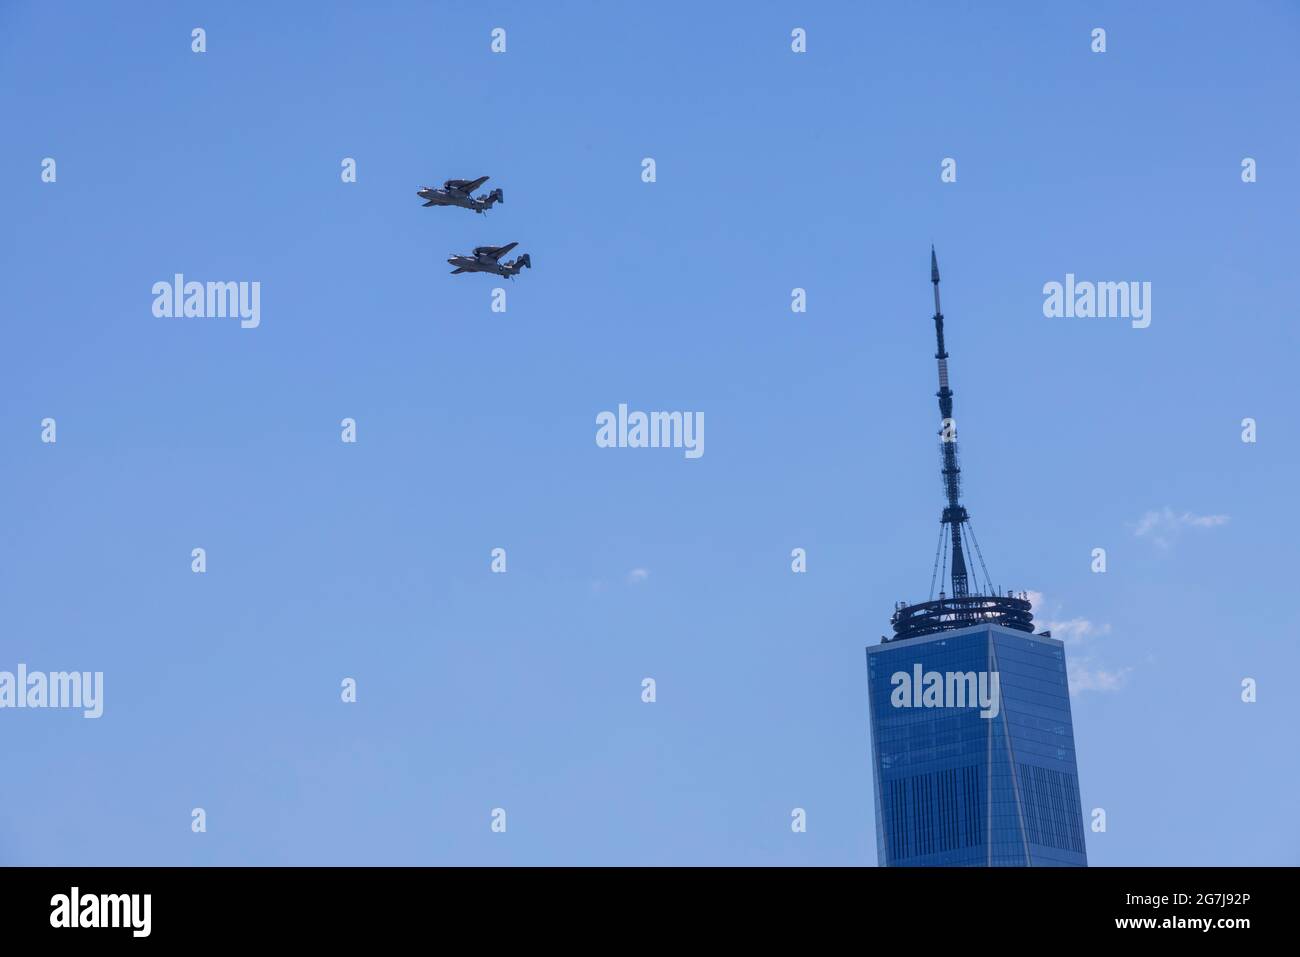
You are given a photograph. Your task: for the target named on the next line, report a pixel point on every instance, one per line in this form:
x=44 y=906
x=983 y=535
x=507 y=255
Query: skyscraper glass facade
x=956 y=788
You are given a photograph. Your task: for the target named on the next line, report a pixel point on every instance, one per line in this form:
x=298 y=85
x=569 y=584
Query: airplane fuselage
x=481 y=264
x=451 y=197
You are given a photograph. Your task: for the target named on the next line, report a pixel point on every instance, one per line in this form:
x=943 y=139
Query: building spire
x=960 y=608
x=934 y=278
x=954 y=515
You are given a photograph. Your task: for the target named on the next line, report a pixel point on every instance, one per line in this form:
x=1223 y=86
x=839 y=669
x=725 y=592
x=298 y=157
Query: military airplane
x=456 y=192
x=488 y=259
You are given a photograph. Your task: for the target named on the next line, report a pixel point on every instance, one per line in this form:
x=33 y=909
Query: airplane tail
x=496 y=196
x=522 y=261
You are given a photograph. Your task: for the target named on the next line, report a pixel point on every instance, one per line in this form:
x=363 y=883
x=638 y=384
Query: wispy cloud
x=1083 y=673
x=637 y=575
x=1160 y=526
x=1074 y=630
x=1083 y=678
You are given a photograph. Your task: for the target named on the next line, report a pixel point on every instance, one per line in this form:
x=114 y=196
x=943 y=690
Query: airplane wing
x=457 y=272
x=466 y=185
x=496 y=252
x=429 y=203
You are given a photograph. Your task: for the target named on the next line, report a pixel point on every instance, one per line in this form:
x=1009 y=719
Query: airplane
x=456 y=192
x=487 y=259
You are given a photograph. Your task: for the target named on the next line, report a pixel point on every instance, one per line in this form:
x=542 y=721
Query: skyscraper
x=971 y=735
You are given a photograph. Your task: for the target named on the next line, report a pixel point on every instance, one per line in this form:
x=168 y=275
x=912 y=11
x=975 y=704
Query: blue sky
x=476 y=429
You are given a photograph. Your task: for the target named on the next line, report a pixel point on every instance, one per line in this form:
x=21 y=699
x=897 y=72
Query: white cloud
x=1162 y=525
x=637 y=575
x=1083 y=678
x=1083 y=675
x=1074 y=630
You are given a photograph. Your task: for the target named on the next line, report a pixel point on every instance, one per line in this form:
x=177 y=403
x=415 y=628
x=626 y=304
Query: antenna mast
x=961 y=609
x=954 y=515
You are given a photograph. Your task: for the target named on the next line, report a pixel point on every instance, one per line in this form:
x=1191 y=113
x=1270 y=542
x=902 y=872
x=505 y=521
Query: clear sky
x=476 y=430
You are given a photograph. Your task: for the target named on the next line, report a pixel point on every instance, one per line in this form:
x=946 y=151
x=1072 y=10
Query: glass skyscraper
x=973 y=750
